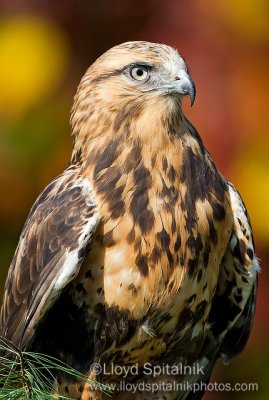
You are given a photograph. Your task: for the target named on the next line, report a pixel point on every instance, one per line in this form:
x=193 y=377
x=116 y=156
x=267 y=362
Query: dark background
x=45 y=47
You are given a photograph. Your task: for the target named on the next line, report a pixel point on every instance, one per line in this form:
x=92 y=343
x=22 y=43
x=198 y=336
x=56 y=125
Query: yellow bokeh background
x=34 y=57
x=247 y=18
x=251 y=172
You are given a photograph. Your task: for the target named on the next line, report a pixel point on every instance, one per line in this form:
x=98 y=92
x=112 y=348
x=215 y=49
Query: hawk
x=140 y=252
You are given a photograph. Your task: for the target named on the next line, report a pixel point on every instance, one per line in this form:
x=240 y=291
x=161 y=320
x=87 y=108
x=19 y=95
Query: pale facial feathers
x=112 y=84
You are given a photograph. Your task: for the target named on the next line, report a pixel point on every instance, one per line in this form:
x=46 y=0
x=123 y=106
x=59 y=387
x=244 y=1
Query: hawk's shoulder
x=49 y=254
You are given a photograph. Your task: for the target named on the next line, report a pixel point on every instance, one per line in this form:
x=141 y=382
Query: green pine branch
x=30 y=376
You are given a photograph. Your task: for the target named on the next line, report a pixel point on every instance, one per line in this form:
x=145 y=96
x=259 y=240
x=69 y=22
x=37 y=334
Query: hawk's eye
x=139 y=73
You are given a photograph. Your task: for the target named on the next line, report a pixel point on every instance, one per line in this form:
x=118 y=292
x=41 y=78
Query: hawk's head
x=143 y=67
x=140 y=78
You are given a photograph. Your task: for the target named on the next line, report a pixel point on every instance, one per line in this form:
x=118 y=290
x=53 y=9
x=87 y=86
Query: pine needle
x=30 y=376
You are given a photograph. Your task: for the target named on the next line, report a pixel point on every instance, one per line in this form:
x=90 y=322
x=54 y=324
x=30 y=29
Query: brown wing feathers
x=49 y=253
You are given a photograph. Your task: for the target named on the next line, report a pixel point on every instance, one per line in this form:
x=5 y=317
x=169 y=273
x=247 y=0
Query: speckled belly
x=139 y=302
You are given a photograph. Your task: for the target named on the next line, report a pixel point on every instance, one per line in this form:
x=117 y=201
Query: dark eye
x=139 y=73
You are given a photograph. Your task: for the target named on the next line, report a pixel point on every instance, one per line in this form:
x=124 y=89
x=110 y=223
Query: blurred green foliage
x=45 y=48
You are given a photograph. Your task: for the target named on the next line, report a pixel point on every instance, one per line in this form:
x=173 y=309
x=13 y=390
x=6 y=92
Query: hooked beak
x=186 y=86
x=191 y=90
